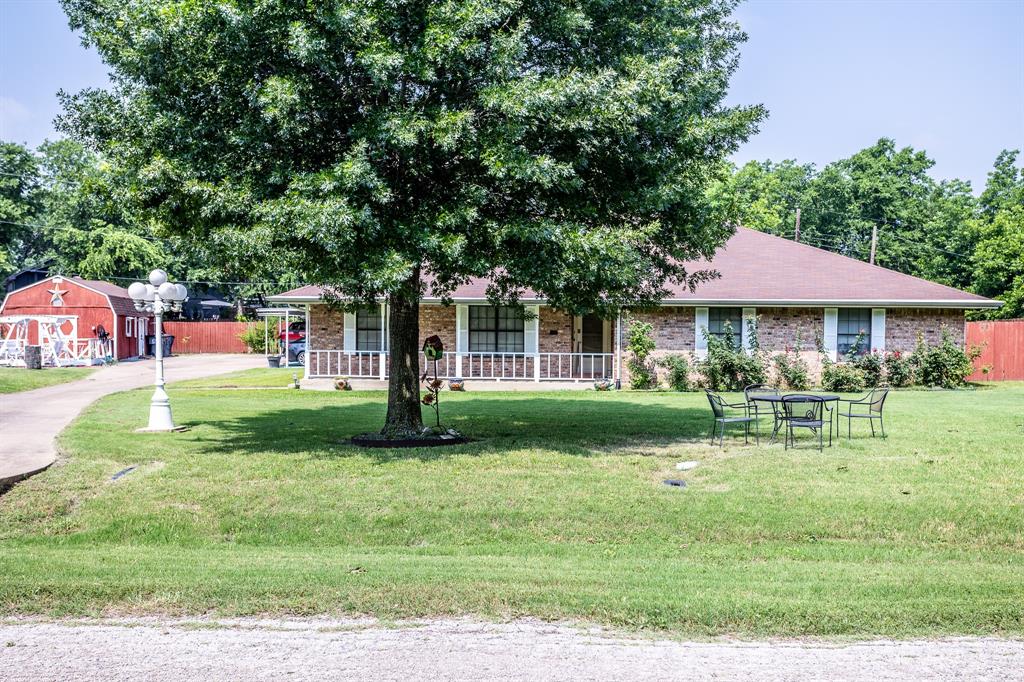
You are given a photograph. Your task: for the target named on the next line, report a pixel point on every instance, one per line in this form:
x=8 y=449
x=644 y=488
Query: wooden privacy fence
x=1002 y=344
x=207 y=337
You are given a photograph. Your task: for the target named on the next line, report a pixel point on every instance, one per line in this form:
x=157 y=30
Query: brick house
x=791 y=291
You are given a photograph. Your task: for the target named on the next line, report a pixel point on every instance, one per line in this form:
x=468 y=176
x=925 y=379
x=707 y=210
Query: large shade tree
x=384 y=148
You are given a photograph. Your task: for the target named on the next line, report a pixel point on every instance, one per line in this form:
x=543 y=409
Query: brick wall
x=778 y=328
x=439 y=320
x=326 y=328
x=902 y=326
x=673 y=327
x=555 y=331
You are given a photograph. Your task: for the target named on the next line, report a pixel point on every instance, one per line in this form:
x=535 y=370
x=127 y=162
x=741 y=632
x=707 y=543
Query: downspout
x=618 y=350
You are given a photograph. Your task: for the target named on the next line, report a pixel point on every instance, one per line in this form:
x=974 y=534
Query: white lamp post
x=158 y=297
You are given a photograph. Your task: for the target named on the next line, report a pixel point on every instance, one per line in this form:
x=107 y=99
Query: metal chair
x=719 y=407
x=759 y=389
x=875 y=402
x=806 y=412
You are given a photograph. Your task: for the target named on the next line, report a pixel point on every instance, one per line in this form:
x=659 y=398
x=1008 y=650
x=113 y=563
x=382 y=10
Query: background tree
x=20 y=205
x=381 y=148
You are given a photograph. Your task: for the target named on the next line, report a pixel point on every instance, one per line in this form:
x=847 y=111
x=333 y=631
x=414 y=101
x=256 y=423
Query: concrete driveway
x=29 y=421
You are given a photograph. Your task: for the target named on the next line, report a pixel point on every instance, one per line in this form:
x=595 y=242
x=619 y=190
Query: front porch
x=536 y=367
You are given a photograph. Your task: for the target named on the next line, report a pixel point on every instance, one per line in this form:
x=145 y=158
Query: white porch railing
x=61 y=353
x=487 y=366
x=340 y=363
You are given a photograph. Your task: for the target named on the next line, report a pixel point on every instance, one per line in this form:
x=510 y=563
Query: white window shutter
x=878 y=329
x=462 y=329
x=384 y=312
x=831 y=331
x=349 y=342
x=749 y=318
x=530 y=329
x=700 y=343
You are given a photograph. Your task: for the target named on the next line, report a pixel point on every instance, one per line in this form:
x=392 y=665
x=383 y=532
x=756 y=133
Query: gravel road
x=316 y=649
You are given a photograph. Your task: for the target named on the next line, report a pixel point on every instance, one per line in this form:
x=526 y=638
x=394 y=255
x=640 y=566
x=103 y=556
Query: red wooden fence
x=207 y=337
x=1002 y=343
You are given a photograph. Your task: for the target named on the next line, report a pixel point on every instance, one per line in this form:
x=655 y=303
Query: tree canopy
x=937 y=230
x=563 y=147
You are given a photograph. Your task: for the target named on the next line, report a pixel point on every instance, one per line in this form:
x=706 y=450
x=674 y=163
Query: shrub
x=870 y=364
x=792 y=370
x=639 y=344
x=728 y=369
x=899 y=371
x=678 y=372
x=842 y=378
x=256 y=335
x=946 y=365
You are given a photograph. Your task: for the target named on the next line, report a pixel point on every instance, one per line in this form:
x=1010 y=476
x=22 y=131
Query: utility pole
x=874 y=242
x=797 y=224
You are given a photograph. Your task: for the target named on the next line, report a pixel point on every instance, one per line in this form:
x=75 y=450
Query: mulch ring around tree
x=427 y=440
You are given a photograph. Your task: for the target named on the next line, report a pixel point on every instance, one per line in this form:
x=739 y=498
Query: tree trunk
x=404 y=418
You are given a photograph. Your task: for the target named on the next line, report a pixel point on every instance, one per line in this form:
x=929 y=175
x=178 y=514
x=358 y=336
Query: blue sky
x=835 y=75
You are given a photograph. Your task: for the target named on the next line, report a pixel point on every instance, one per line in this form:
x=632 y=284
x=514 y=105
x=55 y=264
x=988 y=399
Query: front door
x=592 y=344
x=140 y=332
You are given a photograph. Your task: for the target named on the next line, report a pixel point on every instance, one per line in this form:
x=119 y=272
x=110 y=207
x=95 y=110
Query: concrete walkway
x=29 y=421
x=361 y=649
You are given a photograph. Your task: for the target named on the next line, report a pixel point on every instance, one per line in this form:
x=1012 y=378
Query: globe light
x=157 y=277
x=182 y=292
x=168 y=291
x=137 y=291
x=150 y=293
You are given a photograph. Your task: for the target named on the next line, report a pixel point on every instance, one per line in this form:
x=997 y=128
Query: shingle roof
x=760 y=269
x=120 y=301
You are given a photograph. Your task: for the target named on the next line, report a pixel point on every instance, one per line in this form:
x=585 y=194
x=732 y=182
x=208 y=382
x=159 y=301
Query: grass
x=265 y=377
x=557 y=511
x=18 y=379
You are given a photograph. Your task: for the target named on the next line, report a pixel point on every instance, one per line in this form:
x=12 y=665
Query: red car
x=296 y=332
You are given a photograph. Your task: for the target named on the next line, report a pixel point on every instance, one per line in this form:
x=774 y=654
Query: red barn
x=76 y=321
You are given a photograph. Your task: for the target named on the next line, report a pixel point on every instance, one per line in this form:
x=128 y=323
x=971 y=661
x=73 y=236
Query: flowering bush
x=728 y=369
x=792 y=371
x=946 y=365
x=842 y=378
x=678 y=372
x=899 y=370
x=870 y=364
x=639 y=345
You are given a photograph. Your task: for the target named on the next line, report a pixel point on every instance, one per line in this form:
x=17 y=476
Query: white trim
x=749 y=317
x=129 y=327
x=878 y=329
x=700 y=322
x=531 y=331
x=830 y=339
x=306 y=356
x=957 y=304
x=462 y=329
x=348 y=342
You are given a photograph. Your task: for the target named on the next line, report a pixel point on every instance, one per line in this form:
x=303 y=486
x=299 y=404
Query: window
x=722 y=321
x=129 y=326
x=496 y=329
x=369 y=331
x=851 y=323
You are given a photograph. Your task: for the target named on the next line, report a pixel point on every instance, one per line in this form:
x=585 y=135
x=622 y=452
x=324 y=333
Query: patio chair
x=720 y=409
x=803 y=411
x=759 y=409
x=874 y=401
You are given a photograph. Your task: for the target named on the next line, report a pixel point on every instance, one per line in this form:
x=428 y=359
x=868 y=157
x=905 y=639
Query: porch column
x=309 y=346
x=461 y=337
x=531 y=338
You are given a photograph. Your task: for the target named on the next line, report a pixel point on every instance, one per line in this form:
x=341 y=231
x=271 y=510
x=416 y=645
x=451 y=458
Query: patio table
x=772 y=398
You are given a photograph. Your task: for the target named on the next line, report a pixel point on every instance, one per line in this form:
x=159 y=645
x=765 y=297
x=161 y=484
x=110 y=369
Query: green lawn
x=265 y=377
x=557 y=510
x=18 y=379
